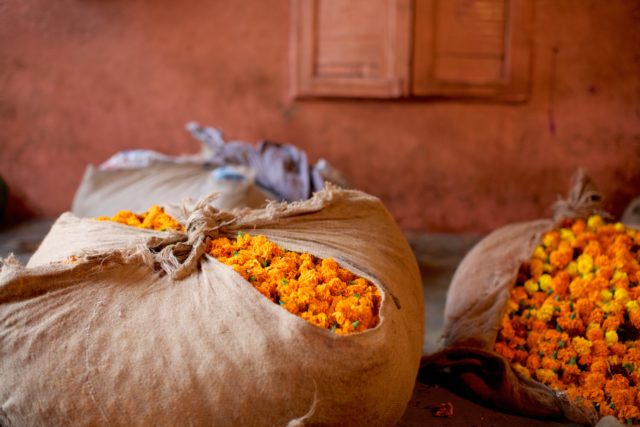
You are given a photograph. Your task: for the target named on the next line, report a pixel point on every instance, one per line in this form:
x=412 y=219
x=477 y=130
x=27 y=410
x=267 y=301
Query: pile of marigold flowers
x=318 y=290
x=154 y=219
x=573 y=318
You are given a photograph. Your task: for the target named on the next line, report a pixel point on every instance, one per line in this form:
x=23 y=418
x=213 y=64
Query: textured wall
x=82 y=79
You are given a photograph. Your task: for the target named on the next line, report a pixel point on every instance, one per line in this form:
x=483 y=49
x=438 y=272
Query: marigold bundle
x=573 y=318
x=542 y=317
x=319 y=291
x=318 y=312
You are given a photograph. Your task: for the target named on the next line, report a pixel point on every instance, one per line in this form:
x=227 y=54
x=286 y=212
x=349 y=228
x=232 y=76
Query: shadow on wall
x=14 y=207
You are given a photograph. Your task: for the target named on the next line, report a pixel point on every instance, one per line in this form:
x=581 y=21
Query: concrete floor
x=438 y=256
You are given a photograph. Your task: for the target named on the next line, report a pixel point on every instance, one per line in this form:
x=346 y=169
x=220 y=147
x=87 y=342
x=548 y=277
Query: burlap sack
x=108 y=340
x=105 y=192
x=476 y=302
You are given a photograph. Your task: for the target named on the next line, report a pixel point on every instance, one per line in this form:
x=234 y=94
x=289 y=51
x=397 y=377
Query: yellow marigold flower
x=531 y=286
x=585 y=264
x=567 y=235
x=546 y=376
x=611 y=337
x=551 y=239
x=618 y=226
x=546 y=282
x=621 y=295
x=619 y=275
x=572 y=269
x=545 y=313
x=594 y=222
x=539 y=253
x=606 y=295
x=632 y=306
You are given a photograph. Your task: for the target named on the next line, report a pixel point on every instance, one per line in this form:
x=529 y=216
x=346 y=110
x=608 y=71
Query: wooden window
x=402 y=48
x=350 y=47
x=472 y=48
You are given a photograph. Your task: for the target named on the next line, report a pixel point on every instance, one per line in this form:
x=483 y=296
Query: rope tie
x=583 y=200
x=179 y=254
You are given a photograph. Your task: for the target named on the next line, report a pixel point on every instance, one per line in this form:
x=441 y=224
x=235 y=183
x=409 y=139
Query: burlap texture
x=111 y=341
x=476 y=302
x=105 y=192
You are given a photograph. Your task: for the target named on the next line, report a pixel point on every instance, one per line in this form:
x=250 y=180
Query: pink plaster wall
x=82 y=79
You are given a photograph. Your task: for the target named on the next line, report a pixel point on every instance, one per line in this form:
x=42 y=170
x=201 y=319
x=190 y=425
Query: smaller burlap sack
x=105 y=192
x=476 y=302
x=145 y=329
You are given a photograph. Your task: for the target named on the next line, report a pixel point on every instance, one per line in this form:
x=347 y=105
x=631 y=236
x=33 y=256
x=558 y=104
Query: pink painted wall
x=82 y=79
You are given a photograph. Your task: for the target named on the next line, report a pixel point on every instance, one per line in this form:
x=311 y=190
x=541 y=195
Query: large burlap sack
x=109 y=340
x=476 y=302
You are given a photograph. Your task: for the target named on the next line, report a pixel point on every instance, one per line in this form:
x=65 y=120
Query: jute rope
x=178 y=254
x=583 y=200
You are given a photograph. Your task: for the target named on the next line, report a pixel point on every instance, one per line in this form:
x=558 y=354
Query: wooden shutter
x=404 y=48
x=357 y=48
x=477 y=48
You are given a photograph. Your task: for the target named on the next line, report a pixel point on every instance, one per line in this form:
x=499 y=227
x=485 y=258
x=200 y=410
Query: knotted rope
x=583 y=200
x=179 y=254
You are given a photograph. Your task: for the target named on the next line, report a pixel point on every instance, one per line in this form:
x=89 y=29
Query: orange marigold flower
x=593 y=394
x=618 y=349
x=578 y=226
x=617 y=382
x=577 y=287
x=581 y=345
x=537 y=268
x=533 y=362
x=561 y=283
x=607 y=409
x=551 y=364
x=505 y=351
x=629 y=412
x=595 y=380
x=584 y=307
x=594 y=332
x=154 y=219
x=571 y=323
x=560 y=258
